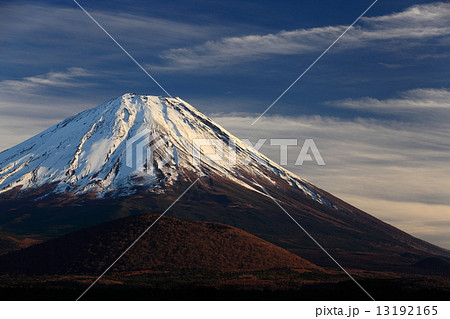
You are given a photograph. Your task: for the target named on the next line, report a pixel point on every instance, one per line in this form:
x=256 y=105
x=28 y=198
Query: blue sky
x=217 y=54
x=377 y=104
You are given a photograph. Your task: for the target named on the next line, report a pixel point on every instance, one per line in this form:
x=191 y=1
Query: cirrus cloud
x=67 y=78
x=412 y=99
x=417 y=23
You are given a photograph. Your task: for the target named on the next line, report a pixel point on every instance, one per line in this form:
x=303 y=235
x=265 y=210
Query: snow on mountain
x=88 y=152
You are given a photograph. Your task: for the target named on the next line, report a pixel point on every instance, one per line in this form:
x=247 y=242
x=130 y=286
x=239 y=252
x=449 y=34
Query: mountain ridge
x=90 y=172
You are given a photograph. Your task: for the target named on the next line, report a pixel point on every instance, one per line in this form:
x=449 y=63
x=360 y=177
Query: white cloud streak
x=63 y=79
x=417 y=23
x=381 y=151
x=412 y=99
x=28 y=106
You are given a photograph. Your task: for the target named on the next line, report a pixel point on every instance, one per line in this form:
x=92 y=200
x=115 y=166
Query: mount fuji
x=87 y=153
x=81 y=173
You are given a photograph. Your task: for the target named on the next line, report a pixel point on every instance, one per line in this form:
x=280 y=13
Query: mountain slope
x=171 y=244
x=77 y=174
x=9 y=242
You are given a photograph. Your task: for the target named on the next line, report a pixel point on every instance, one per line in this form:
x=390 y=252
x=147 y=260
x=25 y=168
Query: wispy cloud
x=240 y=49
x=417 y=22
x=64 y=79
x=383 y=151
x=426 y=221
x=33 y=98
x=70 y=33
x=412 y=99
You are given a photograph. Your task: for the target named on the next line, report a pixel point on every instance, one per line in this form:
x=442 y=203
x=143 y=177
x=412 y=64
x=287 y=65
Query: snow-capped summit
x=99 y=151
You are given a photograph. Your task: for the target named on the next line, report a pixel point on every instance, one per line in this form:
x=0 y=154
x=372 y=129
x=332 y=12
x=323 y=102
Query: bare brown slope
x=355 y=238
x=9 y=242
x=170 y=244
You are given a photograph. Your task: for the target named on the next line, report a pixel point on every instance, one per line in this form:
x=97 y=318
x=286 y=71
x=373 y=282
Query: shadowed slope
x=170 y=244
x=10 y=242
